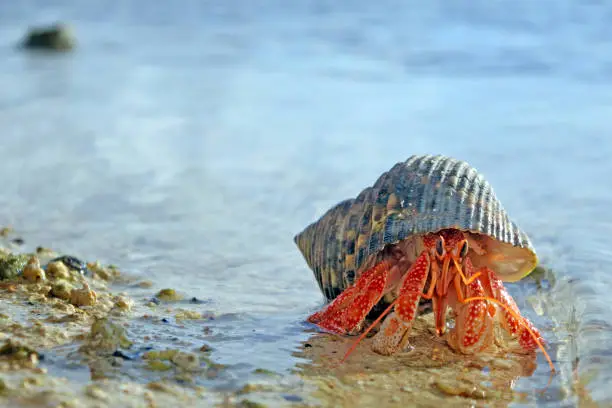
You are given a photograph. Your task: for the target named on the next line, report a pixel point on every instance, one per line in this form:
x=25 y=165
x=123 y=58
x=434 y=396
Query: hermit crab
x=429 y=229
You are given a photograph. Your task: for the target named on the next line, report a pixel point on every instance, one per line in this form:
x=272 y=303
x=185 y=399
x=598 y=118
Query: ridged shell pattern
x=421 y=195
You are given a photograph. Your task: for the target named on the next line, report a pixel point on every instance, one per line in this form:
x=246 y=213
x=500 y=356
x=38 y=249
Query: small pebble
x=33 y=360
x=161 y=387
x=83 y=297
x=249 y=388
x=121 y=354
x=32 y=272
x=158 y=365
x=245 y=403
x=31 y=381
x=205 y=348
x=44 y=251
x=106 y=273
x=57 y=270
x=96 y=393
x=186 y=361
x=263 y=371
x=455 y=387
x=168 y=295
x=123 y=303
x=188 y=315
x=502 y=364
x=145 y=284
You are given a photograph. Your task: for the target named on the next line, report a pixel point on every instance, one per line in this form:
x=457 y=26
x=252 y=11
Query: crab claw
x=346 y=313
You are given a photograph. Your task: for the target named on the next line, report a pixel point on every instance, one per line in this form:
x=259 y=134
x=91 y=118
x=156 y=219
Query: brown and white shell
x=422 y=195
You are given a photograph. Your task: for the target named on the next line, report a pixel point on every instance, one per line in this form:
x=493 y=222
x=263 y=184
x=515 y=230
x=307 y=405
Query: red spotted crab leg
x=394 y=332
x=473 y=299
x=346 y=313
x=512 y=320
x=474 y=321
x=476 y=313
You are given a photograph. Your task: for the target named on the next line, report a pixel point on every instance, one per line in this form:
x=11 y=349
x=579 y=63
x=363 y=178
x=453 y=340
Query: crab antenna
x=520 y=320
x=464 y=278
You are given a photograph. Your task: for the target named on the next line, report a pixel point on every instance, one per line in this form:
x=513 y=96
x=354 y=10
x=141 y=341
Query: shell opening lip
x=510 y=263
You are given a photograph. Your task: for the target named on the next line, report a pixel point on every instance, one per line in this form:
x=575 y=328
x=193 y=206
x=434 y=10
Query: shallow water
x=189 y=143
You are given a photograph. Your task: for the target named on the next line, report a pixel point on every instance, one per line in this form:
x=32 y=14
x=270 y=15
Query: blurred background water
x=188 y=141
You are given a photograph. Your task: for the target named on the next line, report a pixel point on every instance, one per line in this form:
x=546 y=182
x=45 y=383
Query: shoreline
x=75 y=338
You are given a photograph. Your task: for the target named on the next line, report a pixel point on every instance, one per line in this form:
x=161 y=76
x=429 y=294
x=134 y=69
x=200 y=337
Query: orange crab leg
x=347 y=311
x=474 y=323
x=466 y=281
x=512 y=320
x=475 y=288
x=476 y=314
x=521 y=321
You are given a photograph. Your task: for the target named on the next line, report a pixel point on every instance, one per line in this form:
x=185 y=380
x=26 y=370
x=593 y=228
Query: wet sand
x=430 y=374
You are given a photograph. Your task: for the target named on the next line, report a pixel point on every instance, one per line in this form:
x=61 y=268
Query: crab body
x=429 y=229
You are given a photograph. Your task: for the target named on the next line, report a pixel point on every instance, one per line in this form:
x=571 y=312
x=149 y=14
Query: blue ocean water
x=189 y=141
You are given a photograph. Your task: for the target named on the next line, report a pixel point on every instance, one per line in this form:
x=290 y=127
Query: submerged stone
x=168 y=295
x=107 y=336
x=55 y=37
